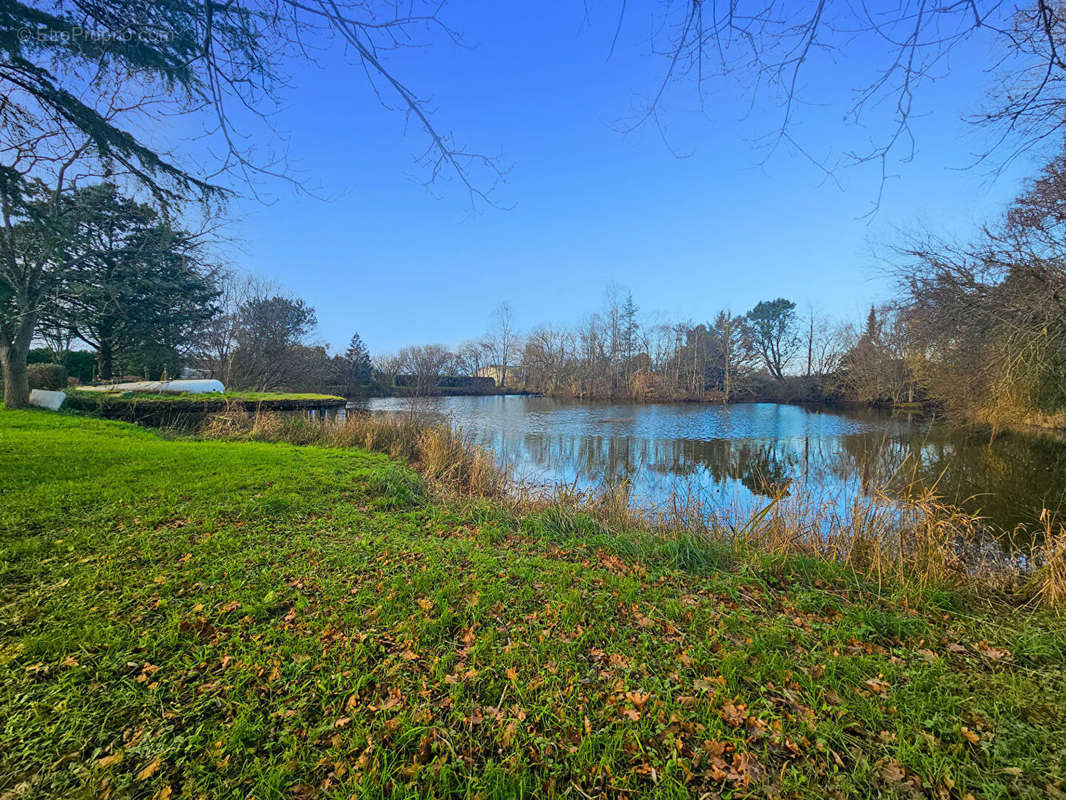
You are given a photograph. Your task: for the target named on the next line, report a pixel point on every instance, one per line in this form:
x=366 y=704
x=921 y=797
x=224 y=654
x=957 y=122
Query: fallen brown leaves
x=734 y=715
x=719 y=762
x=892 y=771
x=993 y=653
x=879 y=686
x=637 y=697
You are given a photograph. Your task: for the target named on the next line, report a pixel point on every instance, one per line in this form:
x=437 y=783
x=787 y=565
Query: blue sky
x=587 y=205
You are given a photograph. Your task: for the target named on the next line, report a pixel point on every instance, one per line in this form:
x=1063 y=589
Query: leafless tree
x=216 y=351
x=502 y=340
x=989 y=321
x=660 y=345
x=386 y=368
x=822 y=343
x=425 y=364
x=471 y=356
x=260 y=339
x=547 y=361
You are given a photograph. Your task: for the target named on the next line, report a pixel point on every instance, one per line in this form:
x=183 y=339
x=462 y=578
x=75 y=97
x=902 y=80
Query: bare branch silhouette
x=771 y=45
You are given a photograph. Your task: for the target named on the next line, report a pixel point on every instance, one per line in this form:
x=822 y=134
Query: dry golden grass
x=923 y=539
x=443 y=455
x=1050 y=574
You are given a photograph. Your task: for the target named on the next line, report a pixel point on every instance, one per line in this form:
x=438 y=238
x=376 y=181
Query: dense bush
x=47 y=376
x=78 y=364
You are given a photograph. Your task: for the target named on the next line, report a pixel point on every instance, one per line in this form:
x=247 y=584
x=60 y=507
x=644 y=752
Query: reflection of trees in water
x=1008 y=480
x=607 y=459
x=764 y=468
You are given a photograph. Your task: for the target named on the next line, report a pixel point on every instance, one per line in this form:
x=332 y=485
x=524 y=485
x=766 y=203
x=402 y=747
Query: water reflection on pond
x=741 y=454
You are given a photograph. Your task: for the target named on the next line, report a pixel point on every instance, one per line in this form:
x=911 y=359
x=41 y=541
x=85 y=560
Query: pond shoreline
x=744 y=452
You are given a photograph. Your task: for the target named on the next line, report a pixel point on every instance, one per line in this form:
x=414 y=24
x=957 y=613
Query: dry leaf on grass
x=734 y=715
x=111 y=760
x=150 y=770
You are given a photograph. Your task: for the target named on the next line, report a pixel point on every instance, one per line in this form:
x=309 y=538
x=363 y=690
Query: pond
x=741 y=455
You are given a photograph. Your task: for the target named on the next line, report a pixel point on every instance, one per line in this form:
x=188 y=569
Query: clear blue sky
x=591 y=206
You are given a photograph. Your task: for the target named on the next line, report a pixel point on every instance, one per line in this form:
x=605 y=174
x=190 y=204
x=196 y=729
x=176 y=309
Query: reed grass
x=922 y=540
x=445 y=456
x=1049 y=576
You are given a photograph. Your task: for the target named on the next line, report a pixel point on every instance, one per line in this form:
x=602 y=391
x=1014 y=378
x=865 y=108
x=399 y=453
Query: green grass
x=234 y=619
x=150 y=397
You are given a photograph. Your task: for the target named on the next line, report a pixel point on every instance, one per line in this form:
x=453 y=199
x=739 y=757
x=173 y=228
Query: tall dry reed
x=445 y=456
x=1050 y=573
x=878 y=535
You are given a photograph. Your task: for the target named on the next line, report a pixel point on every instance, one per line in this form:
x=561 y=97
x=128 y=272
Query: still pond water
x=739 y=455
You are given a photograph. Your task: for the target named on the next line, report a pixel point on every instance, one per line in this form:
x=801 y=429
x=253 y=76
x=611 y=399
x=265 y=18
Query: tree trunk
x=16 y=376
x=105 y=360
x=810 y=346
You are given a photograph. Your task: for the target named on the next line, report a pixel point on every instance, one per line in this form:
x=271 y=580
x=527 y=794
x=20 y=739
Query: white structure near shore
x=160 y=387
x=42 y=398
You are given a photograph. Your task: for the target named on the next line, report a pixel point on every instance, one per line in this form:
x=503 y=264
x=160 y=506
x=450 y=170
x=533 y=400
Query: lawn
x=185 y=618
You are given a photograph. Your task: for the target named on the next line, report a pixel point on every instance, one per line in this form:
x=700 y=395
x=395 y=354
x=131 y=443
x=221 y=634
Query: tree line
x=115 y=277
x=773 y=351
x=975 y=327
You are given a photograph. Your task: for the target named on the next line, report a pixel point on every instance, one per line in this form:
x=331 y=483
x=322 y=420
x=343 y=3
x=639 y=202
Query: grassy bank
x=921 y=543
x=163 y=409
x=248 y=398
x=219 y=618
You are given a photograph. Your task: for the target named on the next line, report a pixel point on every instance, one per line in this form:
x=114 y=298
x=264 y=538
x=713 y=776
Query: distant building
x=516 y=375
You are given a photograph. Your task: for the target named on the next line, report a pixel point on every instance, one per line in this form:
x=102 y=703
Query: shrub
x=79 y=364
x=47 y=376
